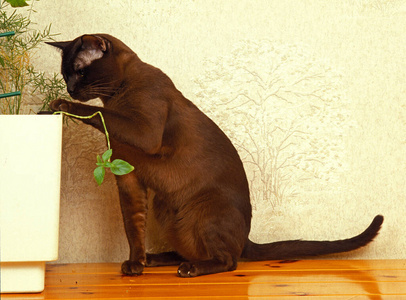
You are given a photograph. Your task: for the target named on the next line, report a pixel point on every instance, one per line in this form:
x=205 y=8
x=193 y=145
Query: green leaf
x=99 y=173
x=107 y=164
x=17 y=3
x=106 y=155
x=2 y=61
x=99 y=160
x=121 y=167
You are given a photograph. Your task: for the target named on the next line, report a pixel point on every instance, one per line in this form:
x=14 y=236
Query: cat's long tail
x=298 y=248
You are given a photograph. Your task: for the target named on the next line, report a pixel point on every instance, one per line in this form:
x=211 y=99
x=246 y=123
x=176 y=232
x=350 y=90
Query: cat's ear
x=94 y=42
x=59 y=45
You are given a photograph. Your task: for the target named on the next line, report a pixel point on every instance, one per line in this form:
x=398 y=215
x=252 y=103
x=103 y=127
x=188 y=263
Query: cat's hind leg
x=193 y=269
x=211 y=236
x=164 y=259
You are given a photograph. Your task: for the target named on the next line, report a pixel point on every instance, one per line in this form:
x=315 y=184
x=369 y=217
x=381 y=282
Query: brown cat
x=201 y=191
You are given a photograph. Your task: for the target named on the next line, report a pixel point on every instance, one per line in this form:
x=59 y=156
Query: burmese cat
x=201 y=191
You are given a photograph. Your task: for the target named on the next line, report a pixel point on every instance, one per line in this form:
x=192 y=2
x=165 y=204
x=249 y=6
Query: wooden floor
x=317 y=279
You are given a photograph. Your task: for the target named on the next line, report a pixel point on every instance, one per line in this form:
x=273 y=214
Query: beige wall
x=311 y=92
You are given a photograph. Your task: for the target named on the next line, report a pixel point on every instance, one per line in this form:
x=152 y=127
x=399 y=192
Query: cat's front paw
x=60 y=105
x=132 y=268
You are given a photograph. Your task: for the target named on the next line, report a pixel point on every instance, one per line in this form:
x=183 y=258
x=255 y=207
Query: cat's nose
x=70 y=88
x=71 y=92
x=71 y=84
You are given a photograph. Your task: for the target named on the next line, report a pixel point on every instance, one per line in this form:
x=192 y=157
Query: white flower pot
x=30 y=174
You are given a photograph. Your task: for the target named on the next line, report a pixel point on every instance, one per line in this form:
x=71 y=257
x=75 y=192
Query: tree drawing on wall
x=285 y=113
x=379 y=7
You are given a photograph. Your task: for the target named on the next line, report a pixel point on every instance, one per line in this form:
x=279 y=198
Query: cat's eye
x=81 y=72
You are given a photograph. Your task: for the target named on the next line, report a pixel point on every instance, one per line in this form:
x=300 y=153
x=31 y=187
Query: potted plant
x=30 y=158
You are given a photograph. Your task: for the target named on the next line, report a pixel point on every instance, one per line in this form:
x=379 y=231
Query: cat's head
x=90 y=66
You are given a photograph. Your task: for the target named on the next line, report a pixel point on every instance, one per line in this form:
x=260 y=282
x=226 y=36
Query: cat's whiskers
x=100 y=88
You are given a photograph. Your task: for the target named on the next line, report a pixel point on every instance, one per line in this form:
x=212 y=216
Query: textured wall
x=311 y=92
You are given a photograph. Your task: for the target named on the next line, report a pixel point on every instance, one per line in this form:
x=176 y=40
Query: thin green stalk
x=89 y=117
x=117 y=166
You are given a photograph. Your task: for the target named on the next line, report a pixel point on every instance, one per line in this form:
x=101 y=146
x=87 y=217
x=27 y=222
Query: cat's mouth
x=82 y=97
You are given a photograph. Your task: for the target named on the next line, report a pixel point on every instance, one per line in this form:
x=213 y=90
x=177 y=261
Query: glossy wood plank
x=248 y=266
x=252 y=289
x=236 y=277
x=323 y=279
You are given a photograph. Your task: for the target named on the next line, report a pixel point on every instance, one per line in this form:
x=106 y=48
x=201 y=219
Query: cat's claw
x=187 y=269
x=182 y=275
x=132 y=268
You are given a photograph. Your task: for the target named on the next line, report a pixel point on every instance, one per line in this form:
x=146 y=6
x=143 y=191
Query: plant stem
x=89 y=117
x=117 y=167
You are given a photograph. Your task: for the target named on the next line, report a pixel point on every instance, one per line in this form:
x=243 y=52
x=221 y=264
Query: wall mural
x=323 y=147
x=285 y=112
x=378 y=7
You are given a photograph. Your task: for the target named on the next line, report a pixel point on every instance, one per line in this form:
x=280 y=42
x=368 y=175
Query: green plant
x=17 y=70
x=117 y=166
x=18 y=74
x=49 y=88
x=17 y=3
